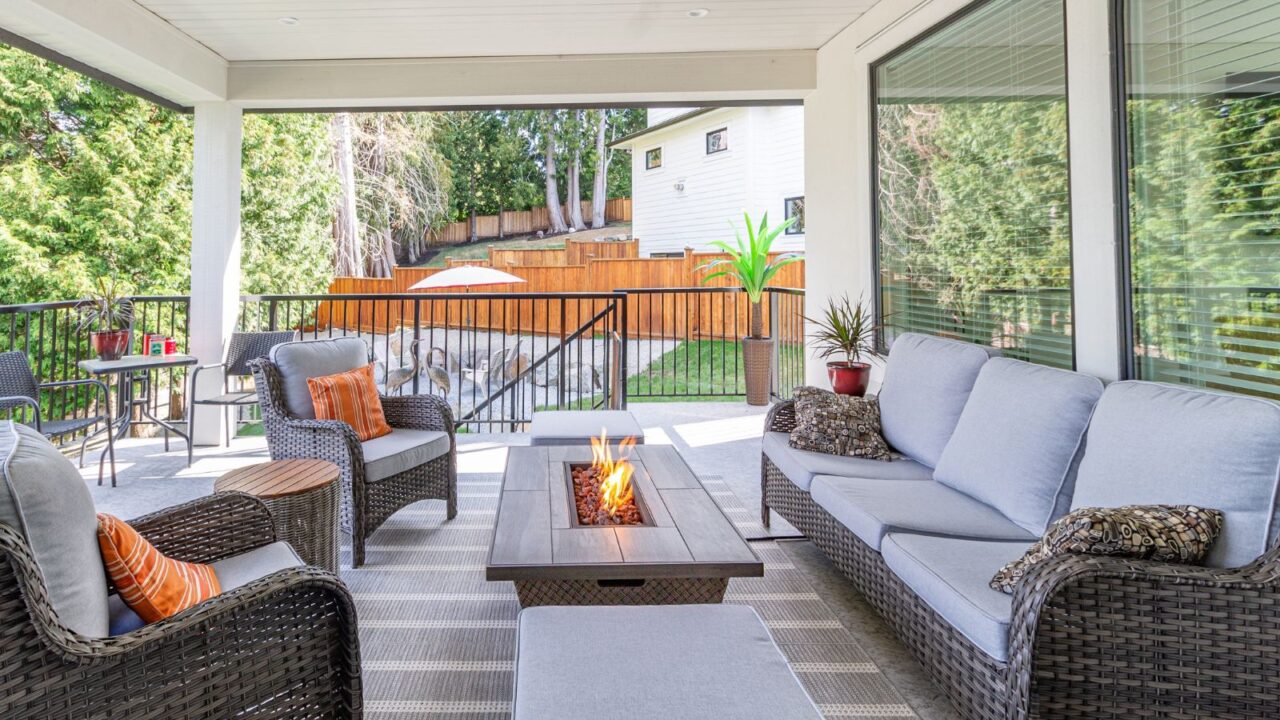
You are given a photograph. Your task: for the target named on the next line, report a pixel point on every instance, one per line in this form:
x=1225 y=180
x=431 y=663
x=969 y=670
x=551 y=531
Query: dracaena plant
x=749 y=263
x=109 y=307
x=845 y=328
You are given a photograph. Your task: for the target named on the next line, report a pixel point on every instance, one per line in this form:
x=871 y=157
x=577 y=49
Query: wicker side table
x=303 y=498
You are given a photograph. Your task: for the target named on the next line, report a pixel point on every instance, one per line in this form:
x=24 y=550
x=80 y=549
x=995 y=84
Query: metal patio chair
x=243 y=347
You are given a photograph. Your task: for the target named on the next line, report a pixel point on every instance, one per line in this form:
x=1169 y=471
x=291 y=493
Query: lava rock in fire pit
x=586 y=500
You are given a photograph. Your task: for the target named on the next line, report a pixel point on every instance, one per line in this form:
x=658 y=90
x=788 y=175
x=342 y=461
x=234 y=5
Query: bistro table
x=303 y=498
x=131 y=371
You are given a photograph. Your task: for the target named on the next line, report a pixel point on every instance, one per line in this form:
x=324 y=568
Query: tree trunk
x=575 y=190
x=382 y=257
x=600 y=187
x=555 y=218
x=500 y=211
x=347 y=258
x=474 y=230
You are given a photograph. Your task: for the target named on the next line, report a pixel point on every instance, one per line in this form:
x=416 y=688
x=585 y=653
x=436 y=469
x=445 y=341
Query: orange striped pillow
x=152 y=585
x=351 y=397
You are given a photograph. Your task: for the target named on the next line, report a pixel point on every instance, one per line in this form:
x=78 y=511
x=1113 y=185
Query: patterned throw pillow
x=351 y=397
x=838 y=424
x=152 y=585
x=1164 y=533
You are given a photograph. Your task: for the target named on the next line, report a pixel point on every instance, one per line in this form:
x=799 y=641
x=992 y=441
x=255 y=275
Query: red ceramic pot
x=110 y=345
x=849 y=378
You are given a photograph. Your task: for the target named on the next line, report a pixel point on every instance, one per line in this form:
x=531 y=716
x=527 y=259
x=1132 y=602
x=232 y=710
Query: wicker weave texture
x=284 y=646
x=364 y=505
x=309 y=522
x=653 y=591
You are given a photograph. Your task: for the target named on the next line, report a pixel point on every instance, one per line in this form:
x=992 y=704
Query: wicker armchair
x=365 y=505
x=1091 y=636
x=284 y=646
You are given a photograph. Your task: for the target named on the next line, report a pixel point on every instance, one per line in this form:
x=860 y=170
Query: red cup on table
x=170 y=346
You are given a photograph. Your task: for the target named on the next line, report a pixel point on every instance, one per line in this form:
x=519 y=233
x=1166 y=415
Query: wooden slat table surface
x=278 y=478
x=688 y=535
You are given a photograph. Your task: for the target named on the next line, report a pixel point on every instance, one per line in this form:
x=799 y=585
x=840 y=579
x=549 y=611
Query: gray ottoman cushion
x=872 y=509
x=577 y=427
x=259 y=562
x=1019 y=439
x=674 y=661
x=801 y=466
x=1151 y=443
x=45 y=500
x=314 y=358
x=926 y=384
x=400 y=450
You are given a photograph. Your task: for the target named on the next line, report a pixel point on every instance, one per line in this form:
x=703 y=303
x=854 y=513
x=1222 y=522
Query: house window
x=972 y=202
x=717 y=141
x=1202 y=98
x=653 y=158
x=794 y=208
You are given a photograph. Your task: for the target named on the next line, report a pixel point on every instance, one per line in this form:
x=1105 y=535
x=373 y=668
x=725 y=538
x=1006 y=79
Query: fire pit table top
x=535 y=537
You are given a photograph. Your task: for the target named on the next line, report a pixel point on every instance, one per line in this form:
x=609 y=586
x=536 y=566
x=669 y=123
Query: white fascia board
x=122 y=39
x=786 y=75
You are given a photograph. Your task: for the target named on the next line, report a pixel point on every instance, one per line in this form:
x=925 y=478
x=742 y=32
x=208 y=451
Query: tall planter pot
x=757 y=355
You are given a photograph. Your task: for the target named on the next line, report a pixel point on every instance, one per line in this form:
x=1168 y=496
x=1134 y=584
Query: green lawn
x=480 y=250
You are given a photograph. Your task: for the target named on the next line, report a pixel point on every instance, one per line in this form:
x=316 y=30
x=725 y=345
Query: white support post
x=1094 y=234
x=215 y=251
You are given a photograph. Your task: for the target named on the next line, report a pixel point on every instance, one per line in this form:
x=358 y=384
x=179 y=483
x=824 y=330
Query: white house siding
x=763 y=165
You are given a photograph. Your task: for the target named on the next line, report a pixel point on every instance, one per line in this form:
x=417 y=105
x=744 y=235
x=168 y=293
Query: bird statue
x=435 y=353
x=396 y=346
x=397 y=378
x=493 y=371
x=438 y=374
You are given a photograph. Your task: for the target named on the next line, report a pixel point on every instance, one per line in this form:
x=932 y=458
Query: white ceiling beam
x=121 y=39
x=786 y=75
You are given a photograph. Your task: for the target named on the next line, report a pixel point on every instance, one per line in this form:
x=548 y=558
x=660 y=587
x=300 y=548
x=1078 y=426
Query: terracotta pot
x=757 y=355
x=849 y=378
x=110 y=345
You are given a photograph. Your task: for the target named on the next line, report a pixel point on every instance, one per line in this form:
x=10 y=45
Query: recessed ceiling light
x=699 y=13
x=288 y=20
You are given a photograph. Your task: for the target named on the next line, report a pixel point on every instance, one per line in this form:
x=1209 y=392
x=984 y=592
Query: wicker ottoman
x=303 y=498
x=577 y=427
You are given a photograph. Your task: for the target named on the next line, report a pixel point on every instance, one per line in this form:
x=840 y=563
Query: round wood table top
x=278 y=478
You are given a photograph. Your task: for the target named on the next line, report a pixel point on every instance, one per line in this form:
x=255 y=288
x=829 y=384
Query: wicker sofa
x=280 y=640
x=417 y=461
x=994 y=450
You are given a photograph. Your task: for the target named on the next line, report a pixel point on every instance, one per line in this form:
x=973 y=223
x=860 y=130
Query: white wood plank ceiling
x=247 y=30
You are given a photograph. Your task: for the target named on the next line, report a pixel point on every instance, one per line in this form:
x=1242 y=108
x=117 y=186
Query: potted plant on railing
x=750 y=265
x=849 y=330
x=107 y=314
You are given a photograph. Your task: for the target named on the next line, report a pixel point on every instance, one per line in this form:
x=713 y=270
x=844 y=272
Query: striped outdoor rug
x=438 y=640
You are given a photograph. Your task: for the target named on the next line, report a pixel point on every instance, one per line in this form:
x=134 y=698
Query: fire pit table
x=681 y=549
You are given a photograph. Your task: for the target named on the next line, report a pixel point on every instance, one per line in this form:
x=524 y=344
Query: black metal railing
x=496 y=357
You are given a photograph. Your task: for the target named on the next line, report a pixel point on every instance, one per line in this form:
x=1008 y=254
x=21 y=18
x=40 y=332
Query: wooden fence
x=521 y=222
x=671 y=313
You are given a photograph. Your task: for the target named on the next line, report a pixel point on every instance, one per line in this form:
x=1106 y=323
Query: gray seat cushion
x=950 y=575
x=232 y=572
x=1151 y=443
x=926 y=383
x=872 y=509
x=1019 y=439
x=45 y=500
x=400 y=450
x=802 y=466
x=298 y=361
x=242 y=569
x=691 y=662
x=577 y=427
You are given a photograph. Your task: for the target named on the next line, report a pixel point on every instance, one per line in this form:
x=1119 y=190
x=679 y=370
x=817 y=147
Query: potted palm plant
x=750 y=265
x=846 y=329
x=107 y=314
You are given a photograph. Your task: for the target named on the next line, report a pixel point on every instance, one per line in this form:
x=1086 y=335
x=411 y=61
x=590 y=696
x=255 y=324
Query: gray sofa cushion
x=871 y=509
x=314 y=358
x=577 y=427
x=400 y=450
x=693 y=662
x=951 y=577
x=242 y=569
x=45 y=500
x=1019 y=439
x=801 y=466
x=1155 y=444
x=926 y=383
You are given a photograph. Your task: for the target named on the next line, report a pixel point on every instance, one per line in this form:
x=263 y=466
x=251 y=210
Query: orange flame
x=615 y=485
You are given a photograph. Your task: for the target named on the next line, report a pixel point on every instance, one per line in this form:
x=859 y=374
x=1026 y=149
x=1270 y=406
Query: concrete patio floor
x=715 y=438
